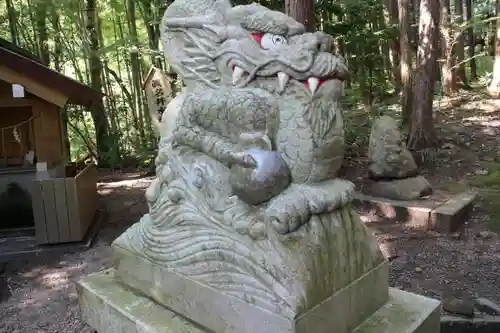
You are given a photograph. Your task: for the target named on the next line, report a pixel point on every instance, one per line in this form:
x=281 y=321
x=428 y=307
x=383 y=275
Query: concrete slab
x=18 y=246
x=412 y=213
x=450 y=324
x=453 y=213
x=445 y=216
x=404 y=312
x=109 y=306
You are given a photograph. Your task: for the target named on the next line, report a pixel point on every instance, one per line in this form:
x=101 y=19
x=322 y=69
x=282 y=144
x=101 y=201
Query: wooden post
x=4 y=150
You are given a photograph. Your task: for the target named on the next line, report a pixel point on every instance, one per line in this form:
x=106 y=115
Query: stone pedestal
x=109 y=306
x=328 y=277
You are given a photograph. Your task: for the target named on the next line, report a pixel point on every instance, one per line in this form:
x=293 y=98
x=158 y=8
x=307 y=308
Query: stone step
x=109 y=306
x=404 y=312
x=447 y=216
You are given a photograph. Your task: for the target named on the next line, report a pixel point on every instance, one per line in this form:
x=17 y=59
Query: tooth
x=282 y=80
x=237 y=74
x=313 y=83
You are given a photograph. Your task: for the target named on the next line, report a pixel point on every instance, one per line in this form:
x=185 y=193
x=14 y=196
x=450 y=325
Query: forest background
x=402 y=54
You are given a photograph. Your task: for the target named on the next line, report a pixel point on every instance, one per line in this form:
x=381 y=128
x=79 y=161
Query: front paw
x=288 y=211
x=294 y=207
x=329 y=195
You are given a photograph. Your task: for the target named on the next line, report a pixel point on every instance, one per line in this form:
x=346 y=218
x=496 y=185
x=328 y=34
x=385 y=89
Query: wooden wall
x=48 y=133
x=9 y=147
x=46 y=127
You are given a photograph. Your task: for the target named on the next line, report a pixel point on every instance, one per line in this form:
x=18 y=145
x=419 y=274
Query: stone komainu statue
x=246 y=199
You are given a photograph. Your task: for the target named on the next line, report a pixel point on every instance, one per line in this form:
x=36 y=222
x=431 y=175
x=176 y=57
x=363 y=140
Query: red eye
x=258 y=38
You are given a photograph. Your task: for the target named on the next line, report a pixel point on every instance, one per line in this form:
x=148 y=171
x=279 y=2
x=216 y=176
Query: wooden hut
x=32 y=97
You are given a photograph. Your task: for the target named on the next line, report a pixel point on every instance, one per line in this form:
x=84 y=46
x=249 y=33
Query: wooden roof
x=26 y=64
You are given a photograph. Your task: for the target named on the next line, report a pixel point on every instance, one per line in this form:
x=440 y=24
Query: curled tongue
x=313 y=84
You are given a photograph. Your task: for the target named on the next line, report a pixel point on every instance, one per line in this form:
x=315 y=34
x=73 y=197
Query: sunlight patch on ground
x=484 y=121
x=369 y=217
x=34 y=272
x=39 y=298
x=123 y=184
x=55 y=279
x=105 y=191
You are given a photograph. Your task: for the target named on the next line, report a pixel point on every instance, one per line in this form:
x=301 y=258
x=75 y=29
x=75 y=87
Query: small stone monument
x=249 y=229
x=392 y=165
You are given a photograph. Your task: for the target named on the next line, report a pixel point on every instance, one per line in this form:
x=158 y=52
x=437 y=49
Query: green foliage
x=490 y=181
x=489 y=190
x=129 y=45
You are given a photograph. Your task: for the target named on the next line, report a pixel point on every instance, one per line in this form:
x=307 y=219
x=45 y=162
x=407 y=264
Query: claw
x=244 y=160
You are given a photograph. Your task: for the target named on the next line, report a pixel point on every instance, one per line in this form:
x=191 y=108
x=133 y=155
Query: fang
x=237 y=74
x=313 y=84
x=282 y=80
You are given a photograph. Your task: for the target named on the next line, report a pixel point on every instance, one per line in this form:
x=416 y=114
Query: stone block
x=412 y=188
x=404 y=312
x=407 y=212
x=221 y=312
x=452 y=324
x=445 y=216
x=109 y=307
x=452 y=214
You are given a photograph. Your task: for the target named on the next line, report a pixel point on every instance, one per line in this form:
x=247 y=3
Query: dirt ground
x=464 y=264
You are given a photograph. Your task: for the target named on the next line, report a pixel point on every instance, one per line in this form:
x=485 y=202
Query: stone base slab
x=445 y=216
x=221 y=312
x=109 y=306
x=404 y=312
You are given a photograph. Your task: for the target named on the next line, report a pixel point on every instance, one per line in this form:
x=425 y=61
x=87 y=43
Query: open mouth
x=312 y=84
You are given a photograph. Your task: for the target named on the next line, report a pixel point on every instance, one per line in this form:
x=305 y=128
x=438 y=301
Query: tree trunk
x=471 y=42
x=422 y=134
x=136 y=69
x=413 y=25
x=58 y=49
x=460 y=43
x=97 y=110
x=492 y=33
x=392 y=9
x=406 y=67
x=448 y=78
x=11 y=13
x=494 y=88
x=41 y=34
x=303 y=12
x=151 y=26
